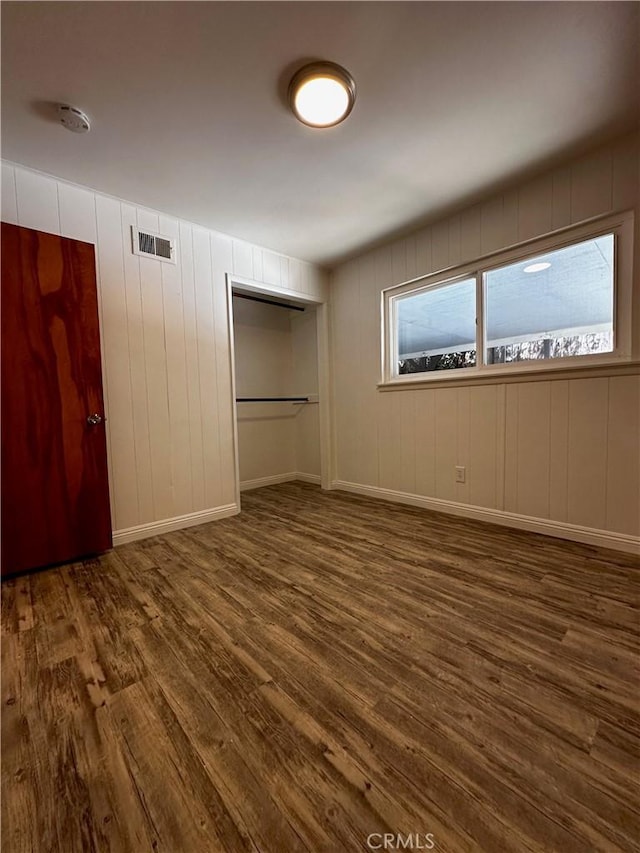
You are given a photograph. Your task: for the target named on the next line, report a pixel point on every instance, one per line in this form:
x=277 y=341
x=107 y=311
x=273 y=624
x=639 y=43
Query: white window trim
x=619 y=224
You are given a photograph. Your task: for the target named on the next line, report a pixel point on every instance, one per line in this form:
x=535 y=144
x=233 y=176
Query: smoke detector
x=73 y=118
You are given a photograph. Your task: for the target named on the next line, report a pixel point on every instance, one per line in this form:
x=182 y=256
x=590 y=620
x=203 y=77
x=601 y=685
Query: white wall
x=276 y=355
x=565 y=450
x=165 y=344
x=562 y=450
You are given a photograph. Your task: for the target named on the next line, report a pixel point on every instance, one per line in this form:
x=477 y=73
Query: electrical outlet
x=460 y=473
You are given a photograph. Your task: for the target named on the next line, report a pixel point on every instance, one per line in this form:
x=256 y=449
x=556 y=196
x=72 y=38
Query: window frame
x=619 y=224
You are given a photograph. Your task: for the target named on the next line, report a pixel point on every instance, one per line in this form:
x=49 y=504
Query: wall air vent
x=153 y=245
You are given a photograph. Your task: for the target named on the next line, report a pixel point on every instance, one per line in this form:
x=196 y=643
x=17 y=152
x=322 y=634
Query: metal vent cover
x=152 y=245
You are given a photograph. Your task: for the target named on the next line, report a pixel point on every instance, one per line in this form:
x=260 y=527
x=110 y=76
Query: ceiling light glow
x=321 y=101
x=322 y=94
x=543 y=265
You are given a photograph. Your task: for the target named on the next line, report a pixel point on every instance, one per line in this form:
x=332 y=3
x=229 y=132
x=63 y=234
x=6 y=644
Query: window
x=437 y=328
x=560 y=301
x=556 y=305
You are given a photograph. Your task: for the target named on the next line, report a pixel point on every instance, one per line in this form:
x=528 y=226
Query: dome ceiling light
x=322 y=94
x=537 y=267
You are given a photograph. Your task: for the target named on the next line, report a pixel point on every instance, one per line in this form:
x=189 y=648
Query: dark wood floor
x=318 y=669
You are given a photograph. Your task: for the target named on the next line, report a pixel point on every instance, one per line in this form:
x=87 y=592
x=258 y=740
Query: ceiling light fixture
x=537 y=267
x=322 y=94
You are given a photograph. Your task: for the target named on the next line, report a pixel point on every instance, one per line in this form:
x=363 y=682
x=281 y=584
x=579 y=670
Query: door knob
x=94 y=420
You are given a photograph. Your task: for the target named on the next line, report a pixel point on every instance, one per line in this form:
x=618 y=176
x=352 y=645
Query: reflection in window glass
x=555 y=305
x=436 y=328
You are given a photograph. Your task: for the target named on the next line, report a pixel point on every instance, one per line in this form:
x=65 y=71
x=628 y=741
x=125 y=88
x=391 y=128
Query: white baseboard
x=260 y=482
x=166 y=525
x=143 y=531
x=274 y=479
x=560 y=529
x=314 y=479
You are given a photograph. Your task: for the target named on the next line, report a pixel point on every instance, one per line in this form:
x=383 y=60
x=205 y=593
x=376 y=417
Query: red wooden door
x=55 y=493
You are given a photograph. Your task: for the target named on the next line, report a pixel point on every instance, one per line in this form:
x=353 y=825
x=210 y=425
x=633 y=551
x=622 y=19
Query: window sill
x=467 y=376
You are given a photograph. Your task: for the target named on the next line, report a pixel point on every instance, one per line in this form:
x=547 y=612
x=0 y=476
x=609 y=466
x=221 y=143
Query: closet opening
x=278 y=376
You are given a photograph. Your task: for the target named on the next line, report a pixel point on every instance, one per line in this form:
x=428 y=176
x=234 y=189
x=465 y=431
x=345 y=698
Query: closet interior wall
x=276 y=356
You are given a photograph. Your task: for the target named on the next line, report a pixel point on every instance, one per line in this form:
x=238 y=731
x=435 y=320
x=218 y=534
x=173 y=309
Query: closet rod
x=272 y=399
x=268 y=301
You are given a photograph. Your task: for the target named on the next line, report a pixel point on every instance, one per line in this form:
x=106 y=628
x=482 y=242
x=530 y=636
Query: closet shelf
x=288 y=305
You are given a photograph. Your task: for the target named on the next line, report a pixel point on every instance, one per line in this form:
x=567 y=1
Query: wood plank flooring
x=318 y=669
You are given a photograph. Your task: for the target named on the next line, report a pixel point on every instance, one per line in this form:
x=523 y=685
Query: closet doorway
x=280 y=382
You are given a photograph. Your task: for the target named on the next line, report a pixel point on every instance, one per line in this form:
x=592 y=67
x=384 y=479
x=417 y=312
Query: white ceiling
x=188 y=110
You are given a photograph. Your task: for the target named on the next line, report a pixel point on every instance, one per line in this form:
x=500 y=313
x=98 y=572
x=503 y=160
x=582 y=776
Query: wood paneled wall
x=165 y=342
x=566 y=450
